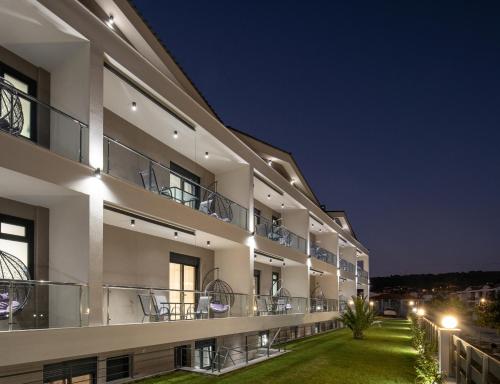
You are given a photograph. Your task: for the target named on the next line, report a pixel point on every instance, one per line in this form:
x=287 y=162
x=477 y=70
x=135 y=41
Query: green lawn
x=385 y=356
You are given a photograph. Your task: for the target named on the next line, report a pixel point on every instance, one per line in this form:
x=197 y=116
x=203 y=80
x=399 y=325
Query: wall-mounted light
x=206 y=155
x=132 y=223
x=176 y=134
x=449 y=322
x=97 y=173
x=134 y=106
x=111 y=21
x=208 y=243
x=176 y=235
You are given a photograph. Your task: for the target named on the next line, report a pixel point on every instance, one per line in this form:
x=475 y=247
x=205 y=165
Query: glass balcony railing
x=323 y=255
x=128 y=164
x=362 y=276
x=279 y=233
x=323 y=305
x=125 y=305
x=26 y=117
x=266 y=305
x=347 y=269
x=30 y=304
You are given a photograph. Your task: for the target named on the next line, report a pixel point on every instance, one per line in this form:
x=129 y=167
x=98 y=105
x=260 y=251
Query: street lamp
x=421 y=312
x=449 y=322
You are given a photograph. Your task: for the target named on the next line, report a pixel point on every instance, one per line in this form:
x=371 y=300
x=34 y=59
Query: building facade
x=138 y=234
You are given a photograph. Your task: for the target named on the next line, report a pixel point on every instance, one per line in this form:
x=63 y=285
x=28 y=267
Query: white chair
x=203 y=306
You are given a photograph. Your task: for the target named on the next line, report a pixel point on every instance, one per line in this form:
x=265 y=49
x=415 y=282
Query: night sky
x=391 y=109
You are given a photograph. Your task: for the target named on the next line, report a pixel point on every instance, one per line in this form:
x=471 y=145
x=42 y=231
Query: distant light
x=206 y=155
x=176 y=235
x=449 y=322
x=176 y=134
x=412 y=303
x=420 y=312
x=111 y=21
x=483 y=300
x=97 y=173
x=372 y=303
x=132 y=223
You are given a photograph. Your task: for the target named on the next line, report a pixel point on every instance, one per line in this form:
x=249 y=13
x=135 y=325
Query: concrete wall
x=266 y=271
x=236 y=268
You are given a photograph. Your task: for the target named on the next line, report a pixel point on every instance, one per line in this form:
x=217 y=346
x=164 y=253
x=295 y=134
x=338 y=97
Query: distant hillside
x=454 y=280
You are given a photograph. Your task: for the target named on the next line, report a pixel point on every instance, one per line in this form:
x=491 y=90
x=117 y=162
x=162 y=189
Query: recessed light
x=97 y=173
x=282 y=205
x=206 y=155
x=269 y=196
x=283 y=263
x=269 y=162
x=176 y=134
x=132 y=223
x=208 y=243
x=270 y=260
x=292 y=182
x=176 y=235
x=134 y=106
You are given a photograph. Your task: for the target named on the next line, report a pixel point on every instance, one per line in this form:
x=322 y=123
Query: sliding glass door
x=183 y=284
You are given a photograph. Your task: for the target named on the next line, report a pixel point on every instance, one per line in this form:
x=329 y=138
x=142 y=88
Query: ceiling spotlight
x=206 y=155
x=176 y=235
x=283 y=263
x=270 y=260
x=282 y=205
x=292 y=182
x=176 y=134
x=97 y=173
x=269 y=162
x=132 y=223
x=208 y=243
x=111 y=21
x=269 y=196
x=312 y=224
x=134 y=106
x=320 y=229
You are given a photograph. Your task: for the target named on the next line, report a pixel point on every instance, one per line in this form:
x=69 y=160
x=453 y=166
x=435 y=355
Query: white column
x=445 y=339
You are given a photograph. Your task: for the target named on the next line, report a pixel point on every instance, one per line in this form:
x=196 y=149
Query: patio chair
x=262 y=306
x=162 y=306
x=203 y=307
x=150 y=182
x=148 y=307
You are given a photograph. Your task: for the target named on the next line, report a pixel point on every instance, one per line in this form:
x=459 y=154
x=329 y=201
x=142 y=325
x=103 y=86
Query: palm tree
x=358 y=316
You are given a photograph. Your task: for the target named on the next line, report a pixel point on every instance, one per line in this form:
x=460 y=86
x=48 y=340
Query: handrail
x=278 y=226
x=42 y=282
x=35 y=100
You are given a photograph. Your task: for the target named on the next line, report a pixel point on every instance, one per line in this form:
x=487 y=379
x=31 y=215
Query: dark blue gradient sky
x=391 y=108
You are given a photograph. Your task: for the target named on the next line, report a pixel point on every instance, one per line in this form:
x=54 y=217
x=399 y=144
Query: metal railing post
x=11 y=294
x=246 y=349
x=81 y=303
x=108 y=167
x=150 y=305
x=107 y=306
x=80 y=150
x=151 y=175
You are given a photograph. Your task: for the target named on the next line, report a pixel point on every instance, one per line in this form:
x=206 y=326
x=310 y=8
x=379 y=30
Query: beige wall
x=265 y=211
x=266 y=271
x=137 y=259
x=131 y=136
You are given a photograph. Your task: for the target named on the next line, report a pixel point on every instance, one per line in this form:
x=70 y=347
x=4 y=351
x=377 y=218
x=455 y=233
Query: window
x=275 y=283
x=16 y=238
x=256 y=282
x=203 y=353
x=263 y=339
x=27 y=86
x=83 y=371
x=117 y=368
x=184 y=186
x=256 y=214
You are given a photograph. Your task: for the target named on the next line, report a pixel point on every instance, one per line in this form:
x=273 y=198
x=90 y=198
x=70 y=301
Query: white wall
x=296 y=280
x=236 y=268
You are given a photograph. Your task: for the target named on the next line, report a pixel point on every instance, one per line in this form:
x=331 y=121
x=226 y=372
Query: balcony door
x=183 y=283
x=184 y=186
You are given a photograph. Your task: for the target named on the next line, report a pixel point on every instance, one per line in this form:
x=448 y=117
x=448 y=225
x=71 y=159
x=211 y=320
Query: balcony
x=323 y=305
x=323 y=255
x=279 y=233
x=362 y=276
x=128 y=164
x=28 y=118
x=347 y=269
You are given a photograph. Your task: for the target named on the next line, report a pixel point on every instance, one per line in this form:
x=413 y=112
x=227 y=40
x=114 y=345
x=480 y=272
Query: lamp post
x=448 y=328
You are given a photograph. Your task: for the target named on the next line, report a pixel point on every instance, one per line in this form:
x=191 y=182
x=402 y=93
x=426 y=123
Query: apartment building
x=138 y=233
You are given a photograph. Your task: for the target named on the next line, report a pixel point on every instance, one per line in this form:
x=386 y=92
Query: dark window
x=83 y=371
x=256 y=213
x=275 y=283
x=263 y=339
x=117 y=368
x=256 y=281
x=27 y=86
x=184 y=186
x=16 y=238
x=276 y=220
x=203 y=354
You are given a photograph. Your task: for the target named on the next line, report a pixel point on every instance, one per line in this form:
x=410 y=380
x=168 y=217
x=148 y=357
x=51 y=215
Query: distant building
x=473 y=295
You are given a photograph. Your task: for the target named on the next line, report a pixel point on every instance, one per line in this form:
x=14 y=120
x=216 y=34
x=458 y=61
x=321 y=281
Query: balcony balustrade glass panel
x=30 y=304
x=126 y=163
x=347 y=269
x=126 y=305
x=266 y=305
x=362 y=276
x=323 y=255
x=323 y=305
x=279 y=233
x=24 y=116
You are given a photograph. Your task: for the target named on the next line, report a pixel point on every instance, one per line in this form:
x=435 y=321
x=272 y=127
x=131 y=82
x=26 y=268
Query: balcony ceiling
x=274 y=197
x=160 y=124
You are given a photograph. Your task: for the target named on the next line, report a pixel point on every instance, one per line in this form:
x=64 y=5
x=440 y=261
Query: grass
x=385 y=356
